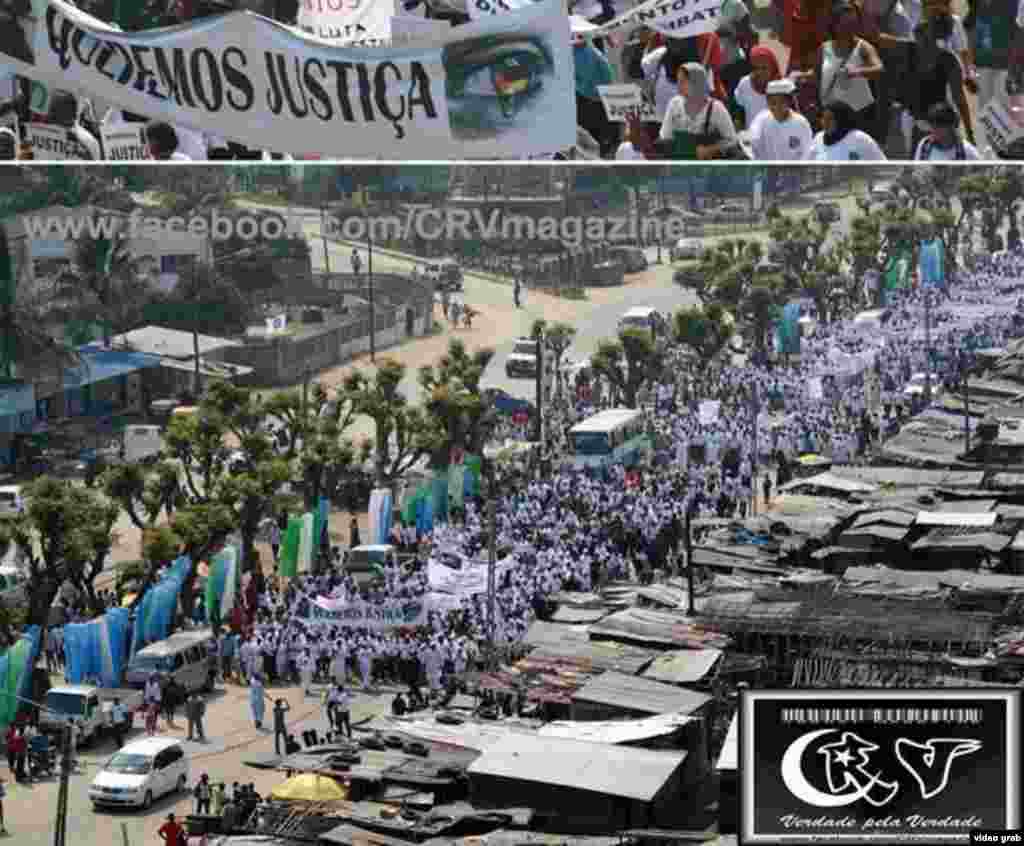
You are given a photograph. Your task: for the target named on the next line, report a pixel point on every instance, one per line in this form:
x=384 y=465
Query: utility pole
x=688 y=541
x=927 y=344
x=369 y=279
x=539 y=388
x=197 y=386
x=492 y=560
x=755 y=412
x=61 y=826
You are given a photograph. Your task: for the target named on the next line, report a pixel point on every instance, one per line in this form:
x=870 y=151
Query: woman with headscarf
x=751 y=91
x=696 y=126
x=840 y=140
x=662 y=60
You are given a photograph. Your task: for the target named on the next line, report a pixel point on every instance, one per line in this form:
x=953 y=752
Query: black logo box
x=983 y=790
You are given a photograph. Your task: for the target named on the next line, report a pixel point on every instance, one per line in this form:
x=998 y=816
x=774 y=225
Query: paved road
x=30 y=809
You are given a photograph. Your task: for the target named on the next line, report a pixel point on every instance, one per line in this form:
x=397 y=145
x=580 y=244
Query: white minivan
x=141 y=772
x=142 y=443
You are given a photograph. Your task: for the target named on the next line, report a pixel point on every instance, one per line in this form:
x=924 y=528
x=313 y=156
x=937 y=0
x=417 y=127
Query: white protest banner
x=496 y=88
x=470 y=580
x=54 y=144
x=678 y=18
x=625 y=101
x=124 y=143
x=369 y=615
x=363 y=23
x=485 y=8
x=1003 y=126
x=407 y=30
x=707 y=412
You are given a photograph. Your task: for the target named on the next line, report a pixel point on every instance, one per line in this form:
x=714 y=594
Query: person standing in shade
x=203 y=794
x=767 y=487
x=517 y=293
x=281 y=707
x=118 y=719
x=356 y=262
x=195 y=709
x=339 y=704
x=353 y=533
x=257 y=699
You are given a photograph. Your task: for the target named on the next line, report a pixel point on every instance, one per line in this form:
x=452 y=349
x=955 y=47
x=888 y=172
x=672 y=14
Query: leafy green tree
x=558 y=338
x=400 y=430
x=248 y=481
x=628 y=362
x=65 y=534
x=810 y=266
x=457 y=413
x=760 y=310
x=704 y=330
x=728 y=269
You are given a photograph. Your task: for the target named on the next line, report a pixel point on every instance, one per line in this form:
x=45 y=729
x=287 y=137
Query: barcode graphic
x=882 y=716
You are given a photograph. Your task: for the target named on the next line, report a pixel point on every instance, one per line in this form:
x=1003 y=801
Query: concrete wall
x=285 y=360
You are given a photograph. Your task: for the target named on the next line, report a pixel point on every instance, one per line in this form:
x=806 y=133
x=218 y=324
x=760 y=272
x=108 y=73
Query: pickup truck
x=87 y=707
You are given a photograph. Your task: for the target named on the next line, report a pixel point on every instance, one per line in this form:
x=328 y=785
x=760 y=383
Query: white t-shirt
x=179 y=157
x=772 y=141
x=628 y=153
x=192 y=143
x=750 y=100
x=937 y=154
x=677 y=120
x=856 y=146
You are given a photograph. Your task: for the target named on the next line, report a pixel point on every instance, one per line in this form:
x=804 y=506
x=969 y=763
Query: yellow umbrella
x=309 y=787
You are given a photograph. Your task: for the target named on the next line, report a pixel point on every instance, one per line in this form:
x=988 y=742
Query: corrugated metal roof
x=934 y=579
x=172 y=343
x=989 y=541
x=829 y=481
x=615 y=731
x=729 y=757
x=594 y=767
x=683 y=666
x=648 y=626
x=869 y=534
x=984 y=520
x=891 y=516
x=552 y=641
x=639 y=694
x=967 y=506
x=911 y=477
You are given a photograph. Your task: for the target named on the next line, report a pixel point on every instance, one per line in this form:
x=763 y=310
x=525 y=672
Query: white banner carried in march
x=678 y=18
x=362 y=23
x=1004 y=126
x=622 y=102
x=495 y=88
x=124 y=143
x=54 y=144
x=369 y=615
x=470 y=580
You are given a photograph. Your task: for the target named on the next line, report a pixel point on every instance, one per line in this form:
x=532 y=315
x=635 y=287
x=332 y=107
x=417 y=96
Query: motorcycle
x=42 y=763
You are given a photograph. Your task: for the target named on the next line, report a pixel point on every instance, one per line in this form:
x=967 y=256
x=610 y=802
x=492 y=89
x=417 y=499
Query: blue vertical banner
x=932 y=264
x=787 y=330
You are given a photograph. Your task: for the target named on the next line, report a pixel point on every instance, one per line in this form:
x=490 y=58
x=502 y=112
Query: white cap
x=780 y=86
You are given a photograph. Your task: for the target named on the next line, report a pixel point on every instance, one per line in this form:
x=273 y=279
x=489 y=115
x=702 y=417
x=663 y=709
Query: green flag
x=897 y=272
x=288 y=565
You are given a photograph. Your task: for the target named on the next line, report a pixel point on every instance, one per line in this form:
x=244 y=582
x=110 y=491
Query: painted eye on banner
x=493 y=82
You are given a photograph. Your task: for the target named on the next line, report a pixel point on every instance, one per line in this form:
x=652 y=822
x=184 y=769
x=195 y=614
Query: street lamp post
x=492 y=559
x=369 y=282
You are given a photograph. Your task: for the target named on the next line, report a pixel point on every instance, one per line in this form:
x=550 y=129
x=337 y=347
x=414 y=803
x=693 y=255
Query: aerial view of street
x=510 y=505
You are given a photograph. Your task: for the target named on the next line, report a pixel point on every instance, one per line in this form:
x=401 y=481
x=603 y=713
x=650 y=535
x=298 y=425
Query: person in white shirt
x=943 y=143
x=841 y=141
x=750 y=94
x=780 y=134
x=696 y=126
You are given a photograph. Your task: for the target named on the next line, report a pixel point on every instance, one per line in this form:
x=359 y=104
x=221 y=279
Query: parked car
x=606 y=274
x=685 y=249
x=140 y=772
x=184 y=656
x=730 y=210
x=522 y=361
x=11 y=501
x=632 y=258
x=643 y=317
x=916 y=385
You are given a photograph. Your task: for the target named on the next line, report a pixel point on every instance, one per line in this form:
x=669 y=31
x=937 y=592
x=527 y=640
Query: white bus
x=615 y=436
